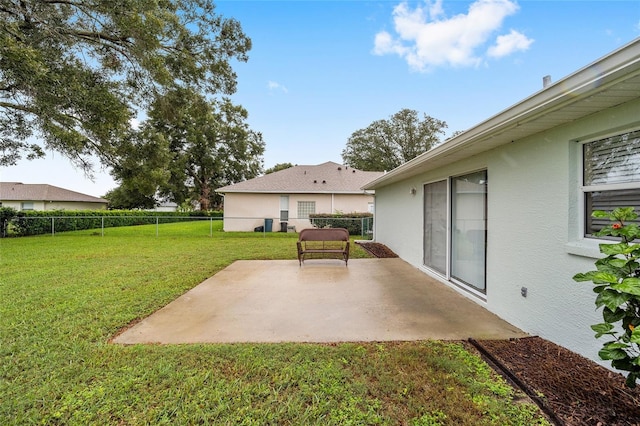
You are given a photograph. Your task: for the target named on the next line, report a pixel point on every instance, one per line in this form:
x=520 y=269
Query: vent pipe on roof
x=546 y=81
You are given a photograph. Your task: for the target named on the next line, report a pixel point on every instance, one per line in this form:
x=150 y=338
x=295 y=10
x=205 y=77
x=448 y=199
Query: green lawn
x=62 y=298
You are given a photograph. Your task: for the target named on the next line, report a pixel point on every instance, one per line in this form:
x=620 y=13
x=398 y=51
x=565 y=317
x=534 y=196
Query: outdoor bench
x=330 y=241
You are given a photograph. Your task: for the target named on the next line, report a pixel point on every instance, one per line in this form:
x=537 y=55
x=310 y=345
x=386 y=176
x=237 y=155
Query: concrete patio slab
x=322 y=301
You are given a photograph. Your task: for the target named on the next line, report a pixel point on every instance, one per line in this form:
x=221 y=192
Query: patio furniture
x=324 y=241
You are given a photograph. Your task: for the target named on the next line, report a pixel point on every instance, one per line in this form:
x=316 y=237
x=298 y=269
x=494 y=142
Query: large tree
x=278 y=167
x=386 y=144
x=73 y=72
x=141 y=170
x=209 y=145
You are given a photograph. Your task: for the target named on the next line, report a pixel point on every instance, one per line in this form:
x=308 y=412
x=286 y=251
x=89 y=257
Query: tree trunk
x=204 y=199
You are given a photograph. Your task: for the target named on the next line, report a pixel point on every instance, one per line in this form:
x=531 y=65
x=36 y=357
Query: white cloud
x=272 y=85
x=384 y=43
x=507 y=44
x=427 y=38
x=435 y=9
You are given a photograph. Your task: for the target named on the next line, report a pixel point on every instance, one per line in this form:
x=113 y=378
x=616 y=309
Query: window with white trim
x=611 y=176
x=305 y=208
x=284 y=208
x=26 y=206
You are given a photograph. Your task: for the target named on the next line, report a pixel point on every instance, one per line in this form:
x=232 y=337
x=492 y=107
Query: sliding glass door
x=435 y=226
x=469 y=229
x=455 y=229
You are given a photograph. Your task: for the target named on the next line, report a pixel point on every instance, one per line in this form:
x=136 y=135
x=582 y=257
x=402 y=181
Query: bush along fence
x=356 y=223
x=26 y=223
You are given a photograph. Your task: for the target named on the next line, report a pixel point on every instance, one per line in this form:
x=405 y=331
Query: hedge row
x=355 y=223
x=33 y=222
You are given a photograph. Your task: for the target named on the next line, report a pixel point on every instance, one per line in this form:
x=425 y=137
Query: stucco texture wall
x=64 y=205
x=534 y=228
x=55 y=205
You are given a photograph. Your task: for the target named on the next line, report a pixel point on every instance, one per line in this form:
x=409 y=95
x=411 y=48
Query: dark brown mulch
x=578 y=391
x=377 y=249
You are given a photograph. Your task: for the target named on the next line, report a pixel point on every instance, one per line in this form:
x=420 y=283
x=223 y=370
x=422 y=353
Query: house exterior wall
x=55 y=205
x=534 y=221
x=67 y=205
x=246 y=211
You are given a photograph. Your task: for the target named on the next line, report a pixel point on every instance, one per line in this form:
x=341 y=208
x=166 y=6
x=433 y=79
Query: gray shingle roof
x=16 y=191
x=327 y=177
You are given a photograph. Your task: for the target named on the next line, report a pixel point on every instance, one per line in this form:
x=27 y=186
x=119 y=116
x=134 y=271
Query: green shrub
x=355 y=223
x=32 y=222
x=6 y=214
x=617 y=285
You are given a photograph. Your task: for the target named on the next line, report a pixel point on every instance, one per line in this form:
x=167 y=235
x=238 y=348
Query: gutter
x=286 y=191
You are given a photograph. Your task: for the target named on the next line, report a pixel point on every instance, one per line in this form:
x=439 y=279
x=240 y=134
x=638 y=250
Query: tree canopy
x=187 y=148
x=278 y=167
x=73 y=73
x=386 y=144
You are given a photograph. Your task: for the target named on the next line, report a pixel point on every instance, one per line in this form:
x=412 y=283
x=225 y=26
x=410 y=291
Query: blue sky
x=320 y=70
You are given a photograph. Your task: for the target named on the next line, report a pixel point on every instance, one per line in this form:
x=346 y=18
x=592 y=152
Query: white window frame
x=584 y=189
x=447 y=274
x=284 y=208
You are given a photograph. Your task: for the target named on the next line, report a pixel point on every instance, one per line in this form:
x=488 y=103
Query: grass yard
x=62 y=298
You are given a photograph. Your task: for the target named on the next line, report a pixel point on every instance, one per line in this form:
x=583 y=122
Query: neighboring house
x=501 y=212
x=23 y=196
x=292 y=194
x=165 y=206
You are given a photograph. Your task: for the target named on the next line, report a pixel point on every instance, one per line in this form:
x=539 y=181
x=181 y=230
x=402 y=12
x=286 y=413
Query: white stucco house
x=501 y=212
x=25 y=196
x=292 y=194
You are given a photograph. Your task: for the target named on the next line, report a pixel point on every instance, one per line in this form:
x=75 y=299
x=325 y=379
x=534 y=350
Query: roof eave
x=614 y=68
x=353 y=192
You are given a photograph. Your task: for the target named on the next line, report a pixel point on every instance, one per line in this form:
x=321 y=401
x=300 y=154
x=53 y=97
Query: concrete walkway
x=322 y=301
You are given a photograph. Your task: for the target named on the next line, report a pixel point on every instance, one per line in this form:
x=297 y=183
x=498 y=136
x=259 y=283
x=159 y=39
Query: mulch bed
x=575 y=389
x=377 y=249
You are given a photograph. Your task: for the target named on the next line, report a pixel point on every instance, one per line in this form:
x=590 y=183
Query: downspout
x=375 y=222
x=224 y=214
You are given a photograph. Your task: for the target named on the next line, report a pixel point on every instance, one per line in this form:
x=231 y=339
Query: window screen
x=611 y=176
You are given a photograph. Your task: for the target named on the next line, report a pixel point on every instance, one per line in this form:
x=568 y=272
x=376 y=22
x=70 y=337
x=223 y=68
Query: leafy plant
x=6 y=214
x=38 y=222
x=355 y=223
x=617 y=285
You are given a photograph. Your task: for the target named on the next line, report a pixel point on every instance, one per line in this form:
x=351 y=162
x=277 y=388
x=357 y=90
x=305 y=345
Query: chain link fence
x=361 y=227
